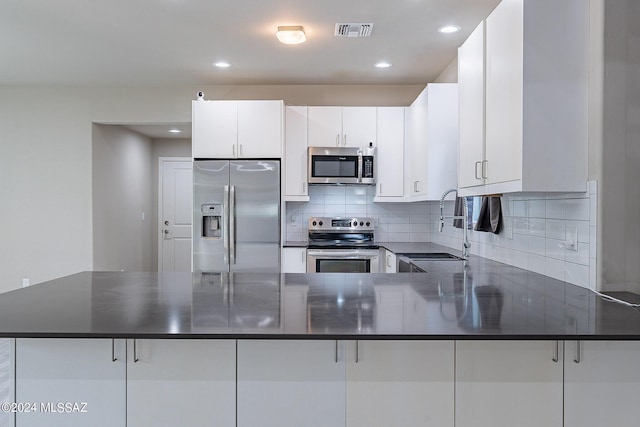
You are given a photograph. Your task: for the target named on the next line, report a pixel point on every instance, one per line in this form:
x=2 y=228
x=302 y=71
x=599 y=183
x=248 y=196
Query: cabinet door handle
x=357 y=351
x=241 y=151
x=337 y=140
x=478 y=163
x=388 y=260
x=415 y=186
x=135 y=352
x=379 y=189
x=578 y=357
x=233 y=148
x=556 y=352
x=336 y=358
x=484 y=169
x=303 y=257
x=113 y=350
x=344 y=140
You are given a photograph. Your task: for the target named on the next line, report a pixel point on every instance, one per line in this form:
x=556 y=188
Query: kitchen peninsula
x=322 y=349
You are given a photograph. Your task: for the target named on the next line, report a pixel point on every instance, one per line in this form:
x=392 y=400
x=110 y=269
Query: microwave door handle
x=359 y=167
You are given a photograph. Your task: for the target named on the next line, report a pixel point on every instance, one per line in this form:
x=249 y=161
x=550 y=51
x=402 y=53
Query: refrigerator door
x=210 y=215
x=254 y=216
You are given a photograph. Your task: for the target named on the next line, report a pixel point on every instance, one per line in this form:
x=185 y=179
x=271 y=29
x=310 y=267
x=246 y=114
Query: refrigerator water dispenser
x=212 y=220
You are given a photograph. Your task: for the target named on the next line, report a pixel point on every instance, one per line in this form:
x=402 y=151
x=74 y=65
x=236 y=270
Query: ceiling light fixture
x=175 y=131
x=448 y=29
x=222 y=64
x=291 y=35
x=383 y=64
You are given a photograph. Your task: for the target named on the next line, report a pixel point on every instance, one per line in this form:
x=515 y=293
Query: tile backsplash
x=536 y=227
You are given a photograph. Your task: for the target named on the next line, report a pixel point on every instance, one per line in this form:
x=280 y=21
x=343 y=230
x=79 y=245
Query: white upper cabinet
x=341 y=126
x=535 y=83
x=432 y=142
x=471 y=110
x=389 y=168
x=237 y=129
x=295 y=154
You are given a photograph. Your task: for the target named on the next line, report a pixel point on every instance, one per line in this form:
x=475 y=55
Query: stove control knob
x=361 y=223
x=314 y=223
x=320 y=223
x=355 y=223
x=368 y=223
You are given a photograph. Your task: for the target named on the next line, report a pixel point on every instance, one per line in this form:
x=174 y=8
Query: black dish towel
x=490 y=218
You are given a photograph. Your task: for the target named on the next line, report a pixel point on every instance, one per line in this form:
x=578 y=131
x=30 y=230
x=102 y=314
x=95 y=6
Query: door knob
x=166 y=223
x=166 y=232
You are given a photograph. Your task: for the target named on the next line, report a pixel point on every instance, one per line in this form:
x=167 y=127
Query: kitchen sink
x=432 y=256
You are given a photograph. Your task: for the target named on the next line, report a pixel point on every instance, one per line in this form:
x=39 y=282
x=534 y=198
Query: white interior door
x=175 y=214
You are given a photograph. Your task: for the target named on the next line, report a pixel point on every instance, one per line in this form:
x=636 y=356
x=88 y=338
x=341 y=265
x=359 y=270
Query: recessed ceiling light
x=222 y=64
x=175 y=131
x=291 y=35
x=448 y=29
x=383 y=64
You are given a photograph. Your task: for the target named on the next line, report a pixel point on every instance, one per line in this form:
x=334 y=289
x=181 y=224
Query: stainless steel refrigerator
x=236 y=215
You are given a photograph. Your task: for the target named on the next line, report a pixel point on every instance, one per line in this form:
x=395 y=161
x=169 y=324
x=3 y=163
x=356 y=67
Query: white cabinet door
x=295 y=154
x=214 y=129
x=390 y=152
x=603 y=388
x=504 y=89
x=388 y=260
x=294 y=260
x=471 y=109
x=284 y=383
x=325 y=126
x=506 y=383
x=400 y=383
x=416 y=131
x=81 y=372
x=260 y=129
x=359 y=126
x=181 y=383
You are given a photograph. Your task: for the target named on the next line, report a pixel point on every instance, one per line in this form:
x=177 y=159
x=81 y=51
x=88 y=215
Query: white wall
x=122 y=209
x=45 y=166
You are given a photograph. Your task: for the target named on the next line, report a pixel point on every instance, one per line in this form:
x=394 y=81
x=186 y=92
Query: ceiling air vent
x=354 y=30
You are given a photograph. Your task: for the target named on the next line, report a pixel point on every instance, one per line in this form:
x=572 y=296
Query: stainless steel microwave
x=341 y=165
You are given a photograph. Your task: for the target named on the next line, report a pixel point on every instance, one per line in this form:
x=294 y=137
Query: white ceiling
x=175 y=42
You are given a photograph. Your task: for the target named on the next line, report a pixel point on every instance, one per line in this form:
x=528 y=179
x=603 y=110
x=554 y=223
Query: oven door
x=342 y=260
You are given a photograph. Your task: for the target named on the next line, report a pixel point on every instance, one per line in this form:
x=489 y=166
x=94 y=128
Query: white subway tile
x=577 y=209
x=555 y=229
x=593 y=210
x=555 y=268
x=520 y=243
x=521 y=259
x=593 y=278
x=420 y=228
x=537 y=208
x=537 y=263
x=334 y=210
x=579 y=257
x=520 y=208
x=537 y=245
x=537 y=227
x=420 y=237
x=577 y=274
x=555 y=209
x=521 y=226
x=554 y=250
x=399 y=228
x=399 y=237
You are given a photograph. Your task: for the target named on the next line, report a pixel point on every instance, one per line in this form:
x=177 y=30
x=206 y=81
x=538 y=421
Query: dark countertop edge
x=331 y=337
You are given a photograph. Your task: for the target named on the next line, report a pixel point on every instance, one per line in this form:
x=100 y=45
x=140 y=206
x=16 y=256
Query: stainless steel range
x=342 y=245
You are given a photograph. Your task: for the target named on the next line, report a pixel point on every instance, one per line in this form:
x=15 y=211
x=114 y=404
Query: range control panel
x=341 y=224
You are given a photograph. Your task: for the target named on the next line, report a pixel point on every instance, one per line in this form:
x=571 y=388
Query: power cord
x=616 y=300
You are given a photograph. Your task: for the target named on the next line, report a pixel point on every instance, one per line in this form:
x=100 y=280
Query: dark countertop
x=482 y=300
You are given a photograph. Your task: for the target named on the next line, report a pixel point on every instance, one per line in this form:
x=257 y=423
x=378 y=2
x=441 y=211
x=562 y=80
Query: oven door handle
x=343 y=254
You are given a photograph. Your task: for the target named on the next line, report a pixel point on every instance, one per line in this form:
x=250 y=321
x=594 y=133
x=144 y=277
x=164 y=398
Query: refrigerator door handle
x=232 y=224
x=225 y=231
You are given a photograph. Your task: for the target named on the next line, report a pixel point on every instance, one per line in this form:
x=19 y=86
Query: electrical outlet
x=25 y=282
x=571 y=237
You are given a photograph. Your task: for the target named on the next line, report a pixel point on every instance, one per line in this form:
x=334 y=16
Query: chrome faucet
x=465 y=235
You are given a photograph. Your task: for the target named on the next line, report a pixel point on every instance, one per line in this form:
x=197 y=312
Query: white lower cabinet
x=294 y=260
x=291 y=383
x=71 y=382
x=509 y=383
x=400 y=383
x=602 y=383
x=176 y=382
